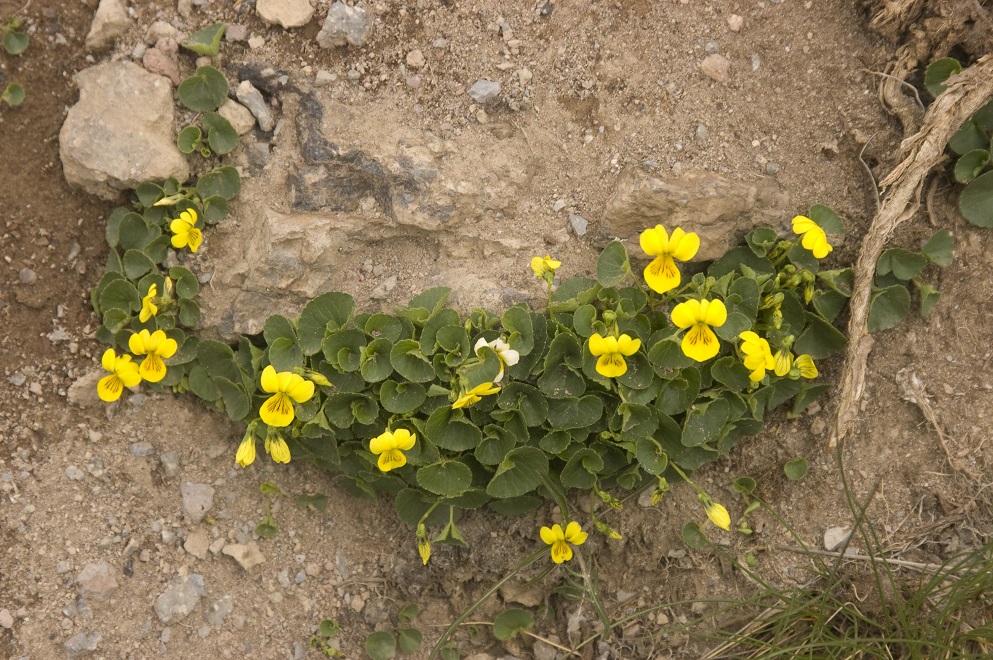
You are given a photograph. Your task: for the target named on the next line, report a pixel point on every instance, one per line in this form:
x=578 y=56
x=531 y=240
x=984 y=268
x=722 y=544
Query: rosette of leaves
x=556 y=424
x=205 y=92
x=896 y=270
x=972 y=143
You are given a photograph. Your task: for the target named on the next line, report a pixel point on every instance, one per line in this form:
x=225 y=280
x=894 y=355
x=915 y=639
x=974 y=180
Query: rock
x=142 y=448
x=197 y=500
x=835 y=536
x=736 y=22
x=184 y=7
x=518 y=592
x=720 y=211
x=702 y=133
x=27 y=276
x=160 y=30
x=383 y=290
x=74 y=473
x=252 y=99
x=345 y=25
x=110 y=21
x=578 y=224
x=545 y=651
x=247 y=555
x=241 y=118
x=83 y=391
x=287 y=13
x=96 y=581
x=525 y=76
x=160 y=62
x=219 y=610
x=180 y=599
x=120 y=133
x=324 y=77
x=716 y=67
x=485 y=92
x=197 y=544
x=6 y=619
x=235 y=33
x=415 y=59
x=81 y=645
x=170 y=463
x=255 y=42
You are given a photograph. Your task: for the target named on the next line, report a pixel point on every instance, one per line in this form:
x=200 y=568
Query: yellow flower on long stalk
x=185 y=232
x=123 y=373
x=390 y=447
x=544 y=267
x=611 y=352
x=699 y=316
x=715 y=512
x=662 y=274
x=156 y=347
x=475 y=395
x=148 y=306
x=560 y=540
x=276 y=447
x=758 y=355
x=285 y=388
x=814 y=238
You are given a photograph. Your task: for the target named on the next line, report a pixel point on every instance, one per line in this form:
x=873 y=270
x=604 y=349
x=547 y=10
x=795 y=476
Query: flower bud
x=607 y=531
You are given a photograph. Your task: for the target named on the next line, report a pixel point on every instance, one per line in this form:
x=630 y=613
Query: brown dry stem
x=920 y=153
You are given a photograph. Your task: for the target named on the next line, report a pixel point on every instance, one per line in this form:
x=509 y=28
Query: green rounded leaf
x=976 y=201
x=613 y=265
x=381 y=646
x=939 y=248
x=409 y=639
x=401 y=398
x=796 y=469
x=135 y=234
x=285 y=354
x=820 y=339
x=904 y=265
x=511 y=623
x=185 y=282
x=207 y=40
x=409 y=362
x=693 y=536
x=326 y=312
x=445 y=478
x=189 y=139
x=520 y=472
x=189 y=313
x=827 y=219
x=204 y=91
x=929 y=297
x=221 y=135
x=744 y=485
x=968 y=138
x=136 y=264
x=375 y=364
x=938 y=72
x=887 y=308
x=13 y=95
x=215 y=209
x=971 y=165
x=15 y=42
x=448 y=429
x=221 y=182
x=651 y=456
x=120 y=294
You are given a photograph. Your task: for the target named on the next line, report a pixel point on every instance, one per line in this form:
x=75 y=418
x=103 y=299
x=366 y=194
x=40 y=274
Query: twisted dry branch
x=966 y=93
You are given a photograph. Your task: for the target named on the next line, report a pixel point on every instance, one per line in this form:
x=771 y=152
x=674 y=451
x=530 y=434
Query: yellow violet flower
x=700 y=343
x=390 y=447
x=758 y=355
x=246 y=451
x=475 y=395
x=610 y=350
x=715 y=512
x=814 y=238
x=148 y=306
x=783 y=362
x=285 y=387
x=662 y=275
x=276 y=447
x=559 y=540
x=508 y=356
x=541 y=267
x=806 y=365
x=423 y=544
x=123 y=373
x=185 y=233
x=155 y=346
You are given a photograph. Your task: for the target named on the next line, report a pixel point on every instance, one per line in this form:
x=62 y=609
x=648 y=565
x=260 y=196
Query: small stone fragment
x=180 y=599
x=197 y=544
x=578 y=224
x=485 y=91
x=81 y=645
x=74 y=473
x=197 y=500
x=383 y=290
x=219 y=610
x=6 y=619
x=235 y=33
x=170 y=463
x=142 y=448
x=835 y=536
x=110 y=21
x=736 y=22
x=96 y=581
x=525 y=76
x=252 y=99
x=240 y=117
x=27 y=276
x=83 y=392
x=159 y=30
x=345 y=25
x=415 y=59
x=247 y=555
x=324 y=77
x=286 y=13
x=716 y=67
x=160 y=62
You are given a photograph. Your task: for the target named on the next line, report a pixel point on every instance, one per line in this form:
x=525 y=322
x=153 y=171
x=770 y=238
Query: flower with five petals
x=544 y=267
x=285 y=388
x=185 y=232
x=610 y=352
x=390 y=447
x=699 y=316
x=560 y=540
x=758 y=355
x=156 y=347
x=814 y=238
x=123 y=373
x=662 y=275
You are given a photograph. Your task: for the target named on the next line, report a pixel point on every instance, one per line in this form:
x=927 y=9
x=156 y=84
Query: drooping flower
x=758 y=355
x=390 y=447
x=805 y=364
x=148 y=306
x=611 y=352
x=508 y=356
x=155 y=346
x=123 y=373
x=559 y=540
x=814 y=238
x=544 y=267
x=185 y=232
x=276 y=447
x=662 y=274
x=715 y=512
x=285 y=387
x=475 y=395
x=246 y=451
x=700 y=343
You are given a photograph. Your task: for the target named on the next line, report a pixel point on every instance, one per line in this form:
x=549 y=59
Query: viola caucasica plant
x=624 y=381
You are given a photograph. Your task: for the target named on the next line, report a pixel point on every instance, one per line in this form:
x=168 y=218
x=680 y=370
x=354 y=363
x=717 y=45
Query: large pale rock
x=110 y=22
x=345 y=25
x=721 y=211
x=120 y=133
x=287 y=13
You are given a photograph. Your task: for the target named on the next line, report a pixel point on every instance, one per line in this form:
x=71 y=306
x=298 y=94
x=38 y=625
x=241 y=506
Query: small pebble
x=735 y=22
x=142 y=449
x=74 y=473
x=27 y=276
x=771 y=168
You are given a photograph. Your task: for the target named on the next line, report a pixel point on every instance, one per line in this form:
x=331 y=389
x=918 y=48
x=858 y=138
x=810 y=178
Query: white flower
x=508 y=356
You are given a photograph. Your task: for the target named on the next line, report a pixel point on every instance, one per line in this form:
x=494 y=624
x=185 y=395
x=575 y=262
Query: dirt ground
x=77 y=487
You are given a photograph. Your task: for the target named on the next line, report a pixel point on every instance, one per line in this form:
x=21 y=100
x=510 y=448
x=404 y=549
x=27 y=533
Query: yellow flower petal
x=551 y=534
x=139 y=341
x=194 y=238
x=561 y=552
x=598 y=345
x=277 y=411
x=279 y=450
x=110 y=388
x=683 y=246
x=574 y=533
x=654 y=241
x=718 y=515
x=806 y=365
x=802 y=224
x=700 y=343
x=627 y=346
x=270 y=383
x=783 y=362
x=152 y=368
x=301 y=390
x=686 y=313
x=713 y=313
x=611 y=365
x=382 y=442
x=404 y=439
x=391 y=459
x=246 y=452
x=662 y=275
x=109 y=359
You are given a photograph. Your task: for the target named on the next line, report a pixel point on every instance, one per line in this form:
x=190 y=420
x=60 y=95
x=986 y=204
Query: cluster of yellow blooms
x=155 y=346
